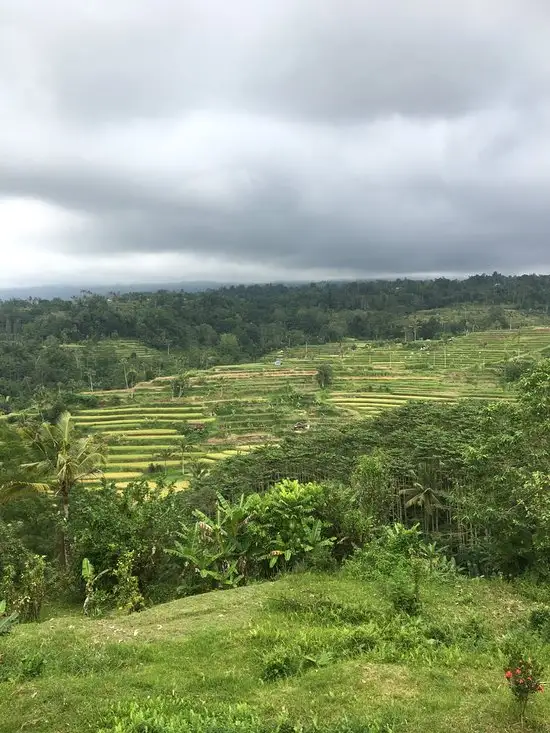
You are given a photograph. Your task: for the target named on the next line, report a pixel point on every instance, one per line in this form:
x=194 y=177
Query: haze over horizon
x=260 y=141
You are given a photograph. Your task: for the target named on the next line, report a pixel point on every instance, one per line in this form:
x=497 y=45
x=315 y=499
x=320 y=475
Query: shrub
x=539 y=619
x=32 y=666
x=32 y=588
x=126 y=593
x=32 y=518
x=390 y=552
x=515 y=368
x=15 y=667
x=107 y=522
x=324 y=375
x=22 y=576
x=524 y=680
x=404 y=596
x=254 y=537
x=372 y=481
x=95 y=599
x=286 y=527
x=74 y=399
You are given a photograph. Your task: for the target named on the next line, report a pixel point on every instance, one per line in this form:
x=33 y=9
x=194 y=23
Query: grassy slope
x=214 y=648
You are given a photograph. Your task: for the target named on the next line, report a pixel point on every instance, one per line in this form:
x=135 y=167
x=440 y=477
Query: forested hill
x=240 y=323
x=258 y=314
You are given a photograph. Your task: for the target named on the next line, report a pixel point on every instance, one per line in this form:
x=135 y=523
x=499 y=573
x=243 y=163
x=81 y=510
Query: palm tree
x=165 y=455
x=426 y=499
x=183 y=447
x=14 y=452
x=64 y=460
x=198 y=470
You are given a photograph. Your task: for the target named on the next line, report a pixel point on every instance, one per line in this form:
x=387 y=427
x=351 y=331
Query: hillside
x=308 y=647
x=328 y=534
x=246 y=405
x=239 y=324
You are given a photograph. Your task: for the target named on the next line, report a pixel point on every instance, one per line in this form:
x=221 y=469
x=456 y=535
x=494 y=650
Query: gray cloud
x=342 y=137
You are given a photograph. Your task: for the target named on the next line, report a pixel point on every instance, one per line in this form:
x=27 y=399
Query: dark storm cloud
x=350 y=137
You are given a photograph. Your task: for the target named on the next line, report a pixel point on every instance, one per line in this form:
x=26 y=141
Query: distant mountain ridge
x=66 y=292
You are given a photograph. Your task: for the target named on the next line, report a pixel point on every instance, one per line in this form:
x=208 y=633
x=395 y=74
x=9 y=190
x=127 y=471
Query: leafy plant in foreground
x=32 y=666
x=162 y=715
x=404 y=595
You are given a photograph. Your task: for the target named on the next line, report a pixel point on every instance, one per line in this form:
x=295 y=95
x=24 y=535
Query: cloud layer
x=260 y=139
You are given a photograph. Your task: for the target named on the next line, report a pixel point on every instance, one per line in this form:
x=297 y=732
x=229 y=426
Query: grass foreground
x=314 y=650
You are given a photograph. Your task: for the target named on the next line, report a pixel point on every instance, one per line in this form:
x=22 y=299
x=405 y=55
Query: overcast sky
x=266 y=139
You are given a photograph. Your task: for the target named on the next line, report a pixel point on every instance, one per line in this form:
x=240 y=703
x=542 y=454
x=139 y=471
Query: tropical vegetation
x=358 y=560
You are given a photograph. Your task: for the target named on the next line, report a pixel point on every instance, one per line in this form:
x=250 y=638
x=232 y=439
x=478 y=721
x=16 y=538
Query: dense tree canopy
x=196 y=330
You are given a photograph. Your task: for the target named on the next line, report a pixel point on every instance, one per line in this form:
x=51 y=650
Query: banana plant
x=7 y=621
x=307 y=537
x=216 y=548
x=90 y=577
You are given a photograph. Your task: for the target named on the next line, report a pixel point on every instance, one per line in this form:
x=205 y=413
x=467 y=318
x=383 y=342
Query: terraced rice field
x=477 y=350
x=142 y=431
x=125 y=348
x=247 y=405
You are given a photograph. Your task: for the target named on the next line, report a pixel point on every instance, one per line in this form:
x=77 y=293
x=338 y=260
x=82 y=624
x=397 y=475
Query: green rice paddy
x=246 y=405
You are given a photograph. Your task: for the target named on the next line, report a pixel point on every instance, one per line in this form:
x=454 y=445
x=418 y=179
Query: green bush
x=106 y=522
x=388 y=553
x=22 y=576
x=127 y=595
x=33 y=518
x=32 y=666
x=404 y=596
x=90 y=401
x=254 y=537
x=371 y=480
x=95 y=599
x=286 y=527
x=539 y=619
x=31 y=588
x=15 y=667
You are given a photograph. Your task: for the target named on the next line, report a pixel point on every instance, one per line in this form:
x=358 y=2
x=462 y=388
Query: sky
x=261 y=140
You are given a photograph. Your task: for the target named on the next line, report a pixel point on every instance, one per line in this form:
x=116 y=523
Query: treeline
x=235 y=324
x=42 y=371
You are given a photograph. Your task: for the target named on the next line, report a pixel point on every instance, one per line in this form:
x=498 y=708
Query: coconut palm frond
x=14 y=489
